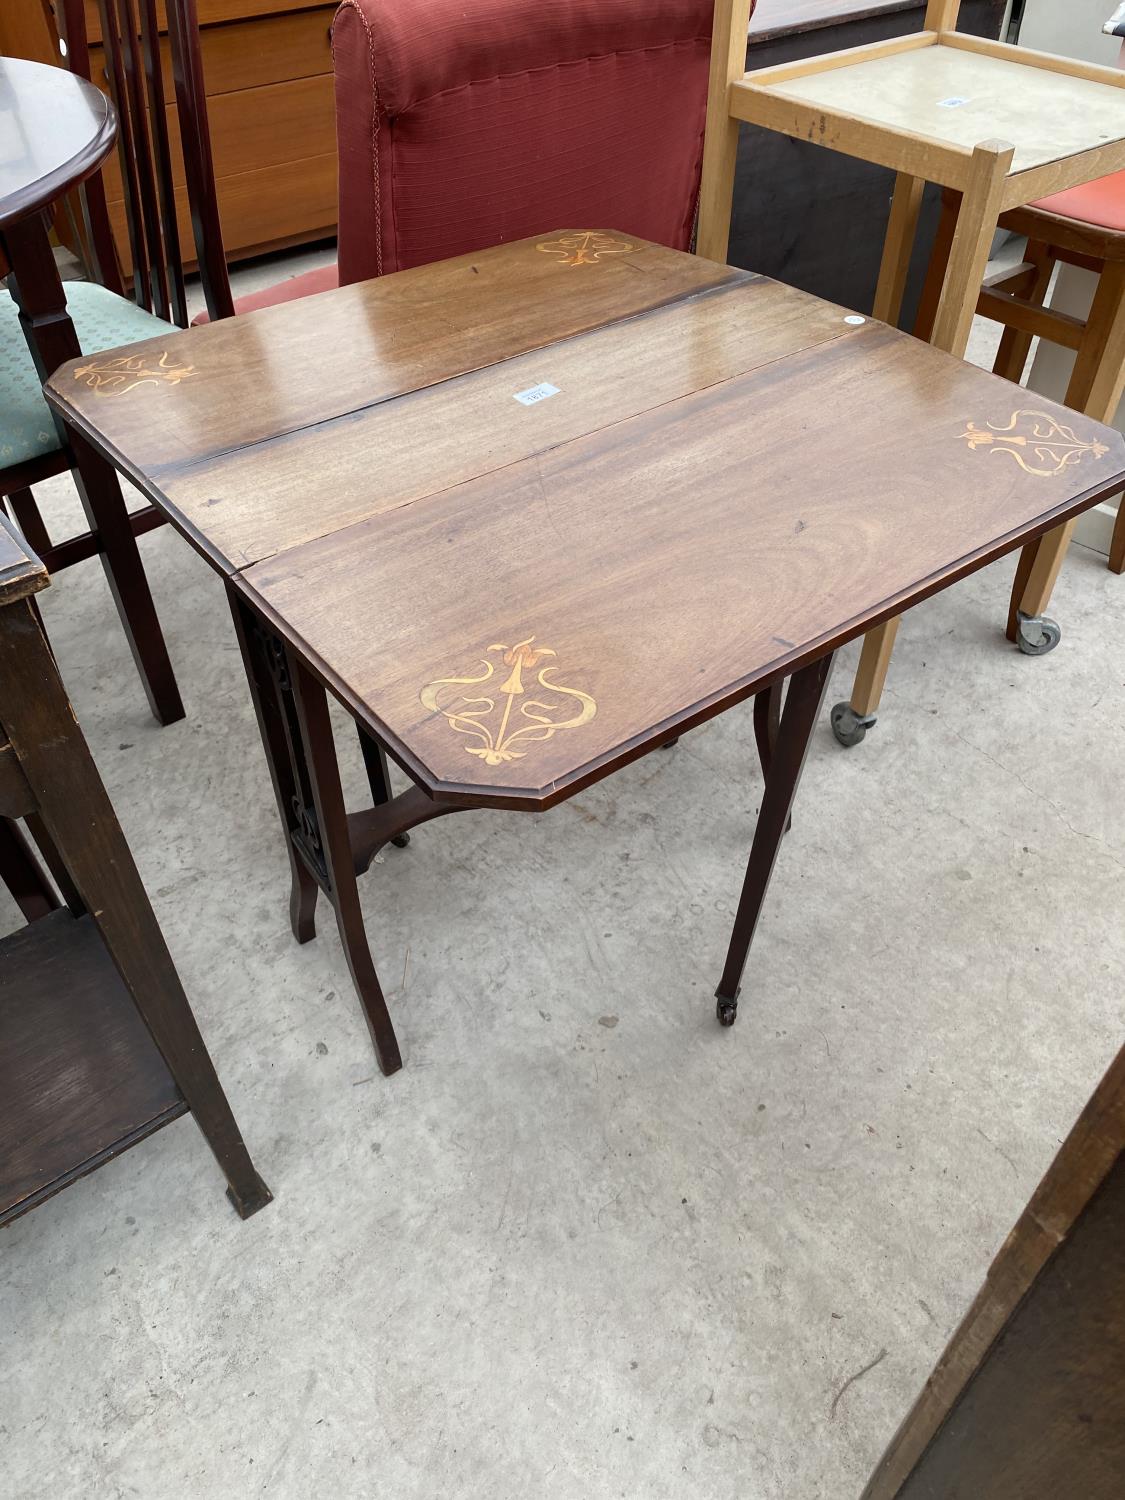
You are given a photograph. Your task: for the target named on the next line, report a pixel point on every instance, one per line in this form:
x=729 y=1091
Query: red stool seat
x=323 y=279
x=1101 y=202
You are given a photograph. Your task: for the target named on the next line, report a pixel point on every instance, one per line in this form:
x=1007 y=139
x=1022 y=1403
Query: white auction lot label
x=536 y=393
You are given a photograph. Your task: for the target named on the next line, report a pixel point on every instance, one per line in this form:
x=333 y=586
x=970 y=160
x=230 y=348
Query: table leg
x=378 y=776
x=902 y=226
x=267 y=673
x=802 y=708
x=50 y=335
x=1095 y=389
x=338 y=873
x=767 y=724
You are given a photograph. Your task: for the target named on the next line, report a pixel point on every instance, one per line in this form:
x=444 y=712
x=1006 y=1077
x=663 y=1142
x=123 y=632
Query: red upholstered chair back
x=467 y=123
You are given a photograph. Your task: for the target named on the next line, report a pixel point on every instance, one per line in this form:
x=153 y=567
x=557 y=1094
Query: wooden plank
x=846 y=57
x=901 y=150
x=676 y=560
x=291 y=366
x=1048 y=1416
x=1067 y=171
x=80 y=1076
x=21 y=572
x=1028 y=57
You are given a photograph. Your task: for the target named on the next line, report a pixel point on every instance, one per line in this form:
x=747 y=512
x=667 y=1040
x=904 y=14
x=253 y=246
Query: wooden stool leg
x=977 y=214
x=267 y=673
x=1015 y=344
x=336 y=850
x=79 y=819
x=935 y=271
x=972 y=240
x=852 y=720
x=802 y=707
x=902 y=225
x=1095 y=389
x=720 y=143
x=22 y=505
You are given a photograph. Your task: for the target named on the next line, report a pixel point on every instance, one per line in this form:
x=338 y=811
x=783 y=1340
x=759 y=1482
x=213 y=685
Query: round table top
x=55 y=129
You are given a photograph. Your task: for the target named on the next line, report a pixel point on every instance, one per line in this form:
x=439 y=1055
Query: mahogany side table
x=529 y=514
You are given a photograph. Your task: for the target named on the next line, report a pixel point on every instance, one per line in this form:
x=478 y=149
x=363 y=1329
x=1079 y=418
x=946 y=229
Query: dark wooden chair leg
x=787 y=758
x=378 y=776
x=336 y=850
x=50 y=334
x=27 y=885
x=267 y=674
x=21 y=504
x=79 y=817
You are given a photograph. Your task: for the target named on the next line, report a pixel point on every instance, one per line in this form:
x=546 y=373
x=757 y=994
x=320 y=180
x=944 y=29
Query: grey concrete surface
x=586 y=1244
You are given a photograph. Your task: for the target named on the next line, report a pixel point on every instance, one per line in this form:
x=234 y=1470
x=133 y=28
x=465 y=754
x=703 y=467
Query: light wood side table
x=1001 y=125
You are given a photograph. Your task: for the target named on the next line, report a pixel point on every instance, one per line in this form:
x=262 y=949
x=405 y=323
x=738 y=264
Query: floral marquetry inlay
x=584 y=247
x=1037 y=441
x=115 y=375
x=503 y=722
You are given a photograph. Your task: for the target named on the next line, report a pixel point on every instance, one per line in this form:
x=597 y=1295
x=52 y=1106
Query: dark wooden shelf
x=80 y=1077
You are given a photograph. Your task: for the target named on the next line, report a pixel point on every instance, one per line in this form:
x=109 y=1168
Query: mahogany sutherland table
x=530 y=514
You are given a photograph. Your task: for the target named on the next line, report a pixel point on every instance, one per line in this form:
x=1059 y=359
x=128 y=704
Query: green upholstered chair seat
x=101 y=319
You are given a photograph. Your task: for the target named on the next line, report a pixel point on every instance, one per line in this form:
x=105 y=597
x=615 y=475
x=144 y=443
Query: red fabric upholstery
x=1100 y=202
x=323 y=279
x=467 y=123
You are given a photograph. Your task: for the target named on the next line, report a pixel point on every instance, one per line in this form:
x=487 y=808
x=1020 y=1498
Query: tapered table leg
x=336 y=848
x=378 y=776
x=39 y=294
x=802 y=705
x=267 y=673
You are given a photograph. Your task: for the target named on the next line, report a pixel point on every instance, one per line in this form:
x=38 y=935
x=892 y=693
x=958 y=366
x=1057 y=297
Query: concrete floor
x=586 y=1244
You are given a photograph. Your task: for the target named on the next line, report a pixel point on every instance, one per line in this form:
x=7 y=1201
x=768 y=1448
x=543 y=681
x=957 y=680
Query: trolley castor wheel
x=401 y=840
x=1036 y=634
x=848 y=726
x=726 y=1008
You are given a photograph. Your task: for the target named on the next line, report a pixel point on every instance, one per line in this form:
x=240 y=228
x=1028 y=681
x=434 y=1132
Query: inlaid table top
x=531 y=512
